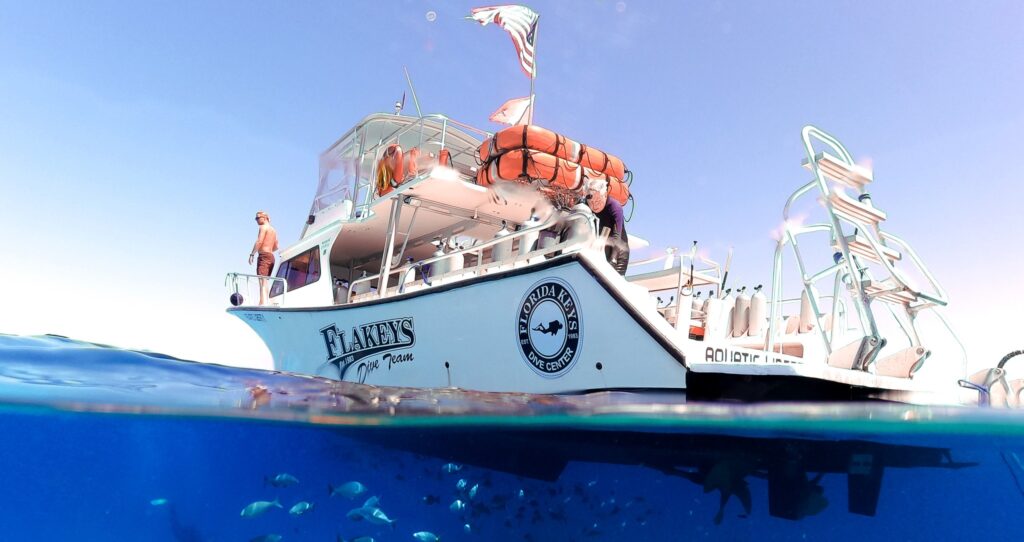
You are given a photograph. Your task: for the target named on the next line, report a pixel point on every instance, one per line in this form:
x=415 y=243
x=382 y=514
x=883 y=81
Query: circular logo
x=549 y=328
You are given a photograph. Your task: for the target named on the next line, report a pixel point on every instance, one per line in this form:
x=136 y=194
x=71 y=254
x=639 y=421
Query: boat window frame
x=312 y=274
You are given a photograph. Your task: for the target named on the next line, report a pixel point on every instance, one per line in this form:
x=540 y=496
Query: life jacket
x=390 y=169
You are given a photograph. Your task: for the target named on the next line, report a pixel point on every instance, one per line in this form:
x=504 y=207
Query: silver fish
x=426 y=536
x=378 y=517
x=473 y=490
x=461 y=484
x=158 y=502
x=349 y=490
x=451 y=467
x=467 y=529
x=259 y=508
x=521 y=494
x=372 y=502
x=300 y=508
x=281 y=480
x=267 y=538
x=457 y=506
x=373 y=515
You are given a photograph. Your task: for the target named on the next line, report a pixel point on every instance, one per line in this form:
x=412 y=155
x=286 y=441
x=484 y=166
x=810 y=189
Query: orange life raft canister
x=524 y=164
x=544 y=140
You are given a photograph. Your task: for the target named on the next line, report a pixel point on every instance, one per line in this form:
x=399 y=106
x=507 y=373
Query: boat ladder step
x=853 y=176
x=860 y=246
x=855 y=211
x=890 y=291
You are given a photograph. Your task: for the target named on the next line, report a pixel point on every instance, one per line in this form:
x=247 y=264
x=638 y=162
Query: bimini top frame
x=348 y=167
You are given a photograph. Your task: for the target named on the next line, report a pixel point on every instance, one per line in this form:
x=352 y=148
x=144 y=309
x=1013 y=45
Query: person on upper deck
x=617 y=248
x=263 y=250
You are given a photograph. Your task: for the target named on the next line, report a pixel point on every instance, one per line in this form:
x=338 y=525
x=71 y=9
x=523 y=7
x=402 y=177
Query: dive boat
x=421 y=269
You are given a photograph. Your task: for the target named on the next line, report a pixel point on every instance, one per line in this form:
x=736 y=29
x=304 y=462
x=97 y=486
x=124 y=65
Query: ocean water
x=107 y=444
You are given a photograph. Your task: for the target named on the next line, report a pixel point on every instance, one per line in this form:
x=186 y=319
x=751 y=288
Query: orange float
x=541 y=139
x=396 y=167
x=526 y=165
x=412 y=166
x=529 y=166
x=390 y=169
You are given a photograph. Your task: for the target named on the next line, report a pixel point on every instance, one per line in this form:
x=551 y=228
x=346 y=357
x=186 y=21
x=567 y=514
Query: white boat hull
x=558 y=327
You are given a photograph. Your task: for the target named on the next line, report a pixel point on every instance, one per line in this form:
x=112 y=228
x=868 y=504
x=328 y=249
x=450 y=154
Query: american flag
x=520 y=22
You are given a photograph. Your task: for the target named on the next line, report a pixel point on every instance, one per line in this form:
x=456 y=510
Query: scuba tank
x=340 y=292
x=758 y=307
x=696 y=307
x=728 y=306
x=713 y=316
x=439 y=267
x=528 y=241
x=457 y=262
x=807 y=318
x=740 y=313
x=503 y=250
x=410 y=277
x=362 y=287
x=704 y=307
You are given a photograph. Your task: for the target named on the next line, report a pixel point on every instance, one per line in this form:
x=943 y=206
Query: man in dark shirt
x=617 y=248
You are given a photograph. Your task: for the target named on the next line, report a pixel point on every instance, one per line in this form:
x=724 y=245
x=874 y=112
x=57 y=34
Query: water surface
x=102 y=443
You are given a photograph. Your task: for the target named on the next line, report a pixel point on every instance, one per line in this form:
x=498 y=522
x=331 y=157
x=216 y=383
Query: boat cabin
x=438 y=224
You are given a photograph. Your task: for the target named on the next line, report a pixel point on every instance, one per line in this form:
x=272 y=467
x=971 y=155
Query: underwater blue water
x=107 y=444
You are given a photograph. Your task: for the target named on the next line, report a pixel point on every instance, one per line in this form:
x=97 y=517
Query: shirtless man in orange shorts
x=264 y=247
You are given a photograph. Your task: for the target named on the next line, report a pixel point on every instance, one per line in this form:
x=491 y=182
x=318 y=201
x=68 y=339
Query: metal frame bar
x=233 y=279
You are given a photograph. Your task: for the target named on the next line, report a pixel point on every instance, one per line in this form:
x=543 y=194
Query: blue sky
x=139 y=138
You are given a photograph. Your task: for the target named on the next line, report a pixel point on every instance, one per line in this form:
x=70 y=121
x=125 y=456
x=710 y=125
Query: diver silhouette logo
x=553 y=328
x=548 y=327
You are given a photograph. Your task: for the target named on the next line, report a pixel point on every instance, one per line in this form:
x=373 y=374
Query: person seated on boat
x=265 y=246
x=616 y=249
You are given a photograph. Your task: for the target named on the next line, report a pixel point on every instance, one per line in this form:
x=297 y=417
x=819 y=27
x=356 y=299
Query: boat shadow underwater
x=792 y=467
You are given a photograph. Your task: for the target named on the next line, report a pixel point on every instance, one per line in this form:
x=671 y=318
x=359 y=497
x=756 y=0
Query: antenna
x=415 y=100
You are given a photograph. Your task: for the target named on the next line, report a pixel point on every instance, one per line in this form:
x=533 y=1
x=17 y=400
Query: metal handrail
x=563 y=246
x=233 y=278
x=404 y=270
x=940 y=296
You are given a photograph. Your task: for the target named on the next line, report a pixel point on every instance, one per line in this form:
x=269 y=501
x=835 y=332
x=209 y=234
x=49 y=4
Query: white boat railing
x=571 y=244
x=242 y=286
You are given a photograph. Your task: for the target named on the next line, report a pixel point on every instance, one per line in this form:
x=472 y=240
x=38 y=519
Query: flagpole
x=533 y=76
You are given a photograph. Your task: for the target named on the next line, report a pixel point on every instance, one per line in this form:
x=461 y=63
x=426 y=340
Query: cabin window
x=299 y=271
